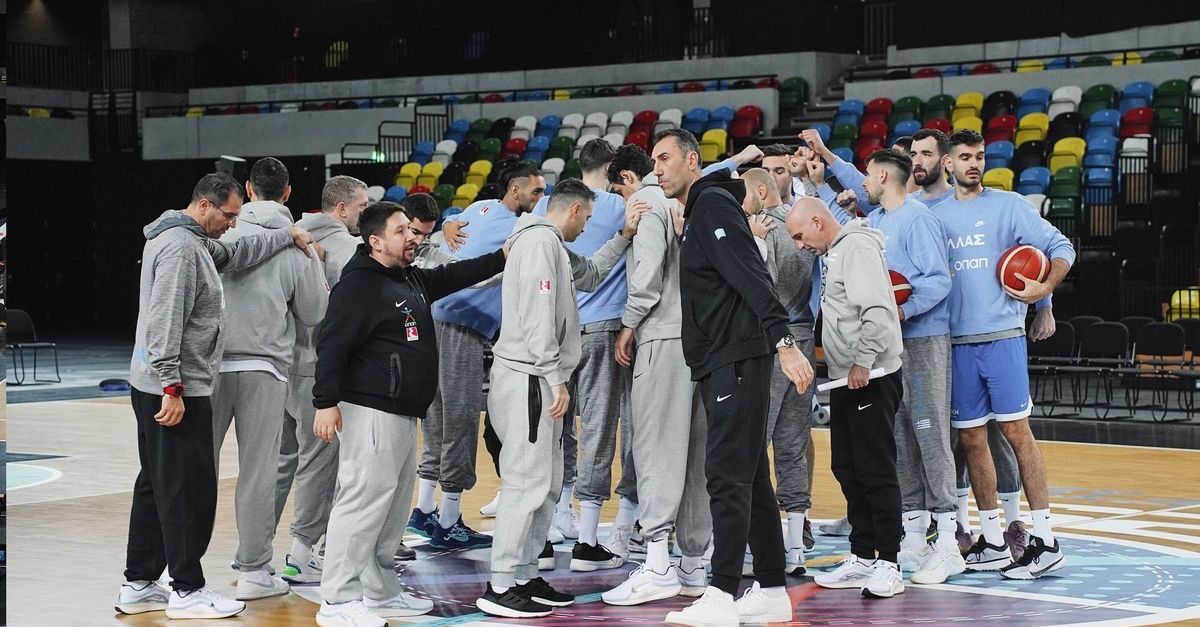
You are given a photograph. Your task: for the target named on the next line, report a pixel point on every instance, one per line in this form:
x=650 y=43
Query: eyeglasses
x=228 y=214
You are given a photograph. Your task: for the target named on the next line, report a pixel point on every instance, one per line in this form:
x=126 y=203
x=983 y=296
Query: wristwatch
x=175 y=389
x=788 y=341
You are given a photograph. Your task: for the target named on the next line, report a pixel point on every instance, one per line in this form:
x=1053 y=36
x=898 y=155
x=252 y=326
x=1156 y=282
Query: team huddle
x=672 y=308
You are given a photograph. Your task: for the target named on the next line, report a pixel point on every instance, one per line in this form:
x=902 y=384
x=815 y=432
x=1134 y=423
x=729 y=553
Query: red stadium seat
x=927 y=72
x=873 y=117
x=741 y=128
x=514 y=147
x=880 y=105
x=752 y=113
x=644 y=121
x=941 y=124
x=328 y=106
x=1000 y=128
x=490 y=98
x=876 y=129
x=629 y=90
x=249 y=108
x=861 y=154
x=691 y=87
x=419 y=189
x=638 y=138
x=1137 y=121
x=767 y=83
x=874 y=143
x=985 y=68
x=230 y=110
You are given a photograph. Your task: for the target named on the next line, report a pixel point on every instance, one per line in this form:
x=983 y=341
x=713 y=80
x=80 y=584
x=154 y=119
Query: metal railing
x=877 y=27
x=37 y=65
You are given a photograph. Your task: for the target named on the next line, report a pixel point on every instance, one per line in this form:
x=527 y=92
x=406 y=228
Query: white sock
x=947 y=524
x=690 y=564
x=425 y=490
x=1041 y=526
x=451 y=509
x=564 y=498
x=914 y=531
x=626 y=513
x=989 y=522
x=499 y=589
x=301 y=552
x=657 y=558
x=589 y=520
x=964 y=505
x=521 y=582
x=795 y=530
x=1011 y=502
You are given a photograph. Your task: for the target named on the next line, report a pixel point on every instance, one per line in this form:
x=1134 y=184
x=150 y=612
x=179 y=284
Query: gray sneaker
x=839 y=527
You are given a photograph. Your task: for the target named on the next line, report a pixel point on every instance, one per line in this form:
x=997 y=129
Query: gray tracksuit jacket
x=790 y=268
x=181 y=301
x=652 y=270
x=541 y=334
x=339 y=246
x=266 y=303
x=861 y=324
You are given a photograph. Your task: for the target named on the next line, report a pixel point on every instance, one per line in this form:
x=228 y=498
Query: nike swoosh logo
x=721 y=398
x=401 y=302
x=1035 y=573
x=993 y=517
x=862 y=407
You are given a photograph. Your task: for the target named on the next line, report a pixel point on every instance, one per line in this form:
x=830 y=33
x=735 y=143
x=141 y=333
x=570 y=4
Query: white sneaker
x=760 y=605
x=259 y=584
x=885 y=581
x=911 y=560
x=309 y=572
x=202 y=603
x=489 y=510
x=715 y=609
x=137 y=597
x=850 y=573
x=693 y=583
x=554 y=536
x=352 y=614
x=938 y=567
x=618 y=541
x=403 y=604
x=643 y=586
x=794 y=564
x=567 y=523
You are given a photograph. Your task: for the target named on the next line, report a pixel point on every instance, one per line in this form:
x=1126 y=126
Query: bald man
x=861 y=334
x=789 y=417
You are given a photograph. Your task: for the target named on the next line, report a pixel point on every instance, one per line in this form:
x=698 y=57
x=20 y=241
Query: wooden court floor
x=66 y=535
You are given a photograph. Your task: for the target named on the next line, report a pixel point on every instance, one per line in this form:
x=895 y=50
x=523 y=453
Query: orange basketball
x=901 y=288
x=1025 y=260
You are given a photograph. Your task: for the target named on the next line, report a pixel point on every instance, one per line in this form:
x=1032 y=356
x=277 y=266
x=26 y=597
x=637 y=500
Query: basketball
x=1025 y=260
x=901 y=288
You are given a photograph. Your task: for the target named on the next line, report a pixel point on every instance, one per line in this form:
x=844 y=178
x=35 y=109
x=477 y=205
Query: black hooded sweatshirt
x=731 y=311
x=376 y=346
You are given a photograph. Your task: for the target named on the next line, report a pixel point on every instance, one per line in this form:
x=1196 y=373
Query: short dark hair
x=269 y=178
x=217 y=188
x=687 y=142
x=965 y=137
x=777 y=150
x=522 y=169
x=569 y=190
x=421 y=207
x=374 y=219
x=943 y=143
x=595 y=154
x=894 y=158
x=632 y=158
x=904 y=141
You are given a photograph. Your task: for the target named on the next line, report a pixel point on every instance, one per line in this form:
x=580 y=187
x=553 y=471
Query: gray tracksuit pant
x=256 y=399
x=451 y=428
x=670 y=433
x=530 y=471
x=309 y=461
x=924 y=463
x=376 y=474
x=600 y=396
x=789 y=425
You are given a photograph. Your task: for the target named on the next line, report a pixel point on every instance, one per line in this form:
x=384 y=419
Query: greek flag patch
x=719 y=233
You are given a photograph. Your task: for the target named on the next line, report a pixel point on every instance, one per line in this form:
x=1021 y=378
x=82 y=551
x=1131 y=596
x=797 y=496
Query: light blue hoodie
x=978 y=231
x=607 y=302
x=932 y=202
x=915 y=246
x=491 y=221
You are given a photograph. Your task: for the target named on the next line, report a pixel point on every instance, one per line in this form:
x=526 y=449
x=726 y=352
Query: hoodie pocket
x=396 y=374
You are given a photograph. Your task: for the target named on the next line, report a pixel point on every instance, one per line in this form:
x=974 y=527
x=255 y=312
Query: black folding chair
x=1046 y=358
x=1103 y=351
x=1159 y=364
x=22 y=336
x=1081 y=324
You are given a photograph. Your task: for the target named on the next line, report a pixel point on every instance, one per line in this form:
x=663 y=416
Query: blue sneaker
x=423 y=524
x=458 y=536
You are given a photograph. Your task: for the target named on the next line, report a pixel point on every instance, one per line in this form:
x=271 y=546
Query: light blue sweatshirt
x=479 y=309
x=977 y=232
x=607 y=302
x=932 y=202
x=915 y=246
x=850 y=178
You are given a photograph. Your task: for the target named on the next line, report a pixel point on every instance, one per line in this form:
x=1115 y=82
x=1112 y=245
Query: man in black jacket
x=733 y=323
x=376 y=374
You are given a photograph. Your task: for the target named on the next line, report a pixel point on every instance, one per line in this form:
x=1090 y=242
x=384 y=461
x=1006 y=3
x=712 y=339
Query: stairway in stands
x=824 y=102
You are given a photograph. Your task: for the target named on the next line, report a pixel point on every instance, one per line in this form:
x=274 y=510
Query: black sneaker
x=542 y=592
x=586 y=558
x=511 y=604
x=809 y=540
x=405 y=554
x=1037 y=560
x=546 y=557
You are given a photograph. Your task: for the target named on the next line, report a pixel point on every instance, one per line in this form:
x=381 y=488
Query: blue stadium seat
x=423 y=148
x=395 y=193
x=720 y=118
x=1105 y=118
x=548 y=127
x=845 y=154
x=535 y=151
x=666 y=88
x=855 y=107
x=1060 y=63
x=846 y=118
x=1099 y=178
x=998 y=155
x=695 y=121
x=1137 y=94
x=458 y=130
x=1033 y=101
x=823 y=130
x=1104 y=144
x=714 y=86
x=954 y=70
x=1034 y=180
x=907 y=127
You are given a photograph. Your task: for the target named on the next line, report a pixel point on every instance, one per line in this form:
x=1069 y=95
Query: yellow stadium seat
x=969 y=123
x=430 y=174
x=963 y=112
x=972 y=99
x=1127 y=58
x=407 y=176
x=195 y=112
x=712 y=144
x=1032 y=65
x=478 y=173
x=561 y=94
x=998 y=178
x=1068 y=152
x=1032 y=126
x=38 y=112
x=465 y=195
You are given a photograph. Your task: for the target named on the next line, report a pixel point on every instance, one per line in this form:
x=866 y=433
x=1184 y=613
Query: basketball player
x=990 y=380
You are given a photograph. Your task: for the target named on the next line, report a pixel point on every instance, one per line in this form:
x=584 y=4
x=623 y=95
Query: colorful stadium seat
x=712 y=145
x=551 y=169
x=1035 y=180
x=1032 y=126
x=478 y=173
x=1137 y=121
x=1067 y=152
x=594 y=124
x=620 y=122
x=639 y=139
x=514 y=147
x=407 y=176
x=443 y=153
x=998 y=155
x=669 y=118
x=968 y=122
x=1032 y=65
x=999 y=178
x=524 y=128
x=1000 y=128
x=395 y=193
x=548 y=126
x=941 y=124
x=430 y=174
x=465 y=195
